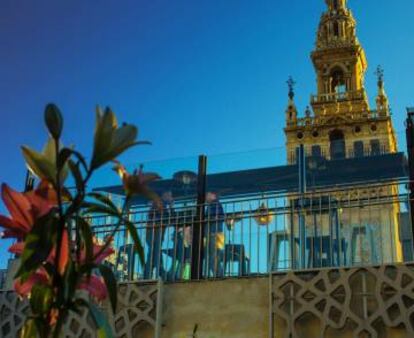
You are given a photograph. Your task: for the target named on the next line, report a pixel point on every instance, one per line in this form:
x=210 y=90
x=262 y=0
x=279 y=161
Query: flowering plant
x=59 y=256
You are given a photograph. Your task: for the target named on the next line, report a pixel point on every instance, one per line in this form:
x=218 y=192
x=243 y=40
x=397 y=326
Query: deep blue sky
x=195 y=76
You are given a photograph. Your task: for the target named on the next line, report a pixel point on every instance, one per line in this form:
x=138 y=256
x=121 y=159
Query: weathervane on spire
x=291 y=85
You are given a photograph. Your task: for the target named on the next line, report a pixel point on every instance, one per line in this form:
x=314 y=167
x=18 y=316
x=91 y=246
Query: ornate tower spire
x=339 y=60
x=337 y=25
x=291 y=111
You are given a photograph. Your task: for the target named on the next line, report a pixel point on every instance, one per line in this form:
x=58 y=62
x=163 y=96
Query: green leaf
x=29 y=329
x=42 y=326
x=53 y=120
x=41 y=298
x=69 y=285
x=80 y=158
x=98 y=208
x=77 y=175
x=137 y=242
x=38 y=244
x=87 y=235
x=110 y=283
x=104 y=200
x=39 y=165
x=63 y=157
x=103 y=328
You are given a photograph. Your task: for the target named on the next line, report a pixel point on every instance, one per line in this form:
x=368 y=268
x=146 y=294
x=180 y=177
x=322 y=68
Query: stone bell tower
x=339 y=62
x=339 y=122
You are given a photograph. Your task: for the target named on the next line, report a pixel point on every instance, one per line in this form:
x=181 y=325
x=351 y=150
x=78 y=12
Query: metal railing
x=372 y=115
x=329 y=97
x=331 y=227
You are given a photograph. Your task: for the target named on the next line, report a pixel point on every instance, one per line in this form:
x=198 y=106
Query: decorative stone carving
x=137 y=303
x=363 y=302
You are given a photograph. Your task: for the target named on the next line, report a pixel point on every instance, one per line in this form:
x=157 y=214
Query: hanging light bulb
x=185 y=177
x=262 y=215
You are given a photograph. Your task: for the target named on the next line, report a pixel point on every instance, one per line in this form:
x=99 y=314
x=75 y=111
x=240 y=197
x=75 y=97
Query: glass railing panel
x=257 y=223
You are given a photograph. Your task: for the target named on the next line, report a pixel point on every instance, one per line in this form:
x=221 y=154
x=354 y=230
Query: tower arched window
x=338 y=83
x=335 y=4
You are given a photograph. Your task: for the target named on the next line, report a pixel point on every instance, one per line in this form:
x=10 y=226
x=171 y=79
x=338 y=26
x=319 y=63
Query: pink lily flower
x=24 y=209
x=137 y=182
x=23 y=289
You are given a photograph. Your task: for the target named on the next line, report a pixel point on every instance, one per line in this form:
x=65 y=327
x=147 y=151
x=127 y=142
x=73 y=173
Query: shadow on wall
x=143 y=330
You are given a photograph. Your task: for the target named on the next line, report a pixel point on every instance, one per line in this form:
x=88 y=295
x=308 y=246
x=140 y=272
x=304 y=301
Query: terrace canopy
x=284 y=179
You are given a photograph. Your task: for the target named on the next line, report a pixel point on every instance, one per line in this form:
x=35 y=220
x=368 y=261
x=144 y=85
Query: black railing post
x=198 y=228
x=302 y=190
x=410 y=151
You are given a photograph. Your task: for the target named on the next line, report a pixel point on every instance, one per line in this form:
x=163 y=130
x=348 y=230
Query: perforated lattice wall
x=361 y=302
x=137 y=305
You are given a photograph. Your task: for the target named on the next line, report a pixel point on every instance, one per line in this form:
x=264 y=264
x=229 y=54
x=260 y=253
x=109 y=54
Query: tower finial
x=336 y=4
x=382 y=100
x=379 y=72
x=291 y=112
x=291 y=85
